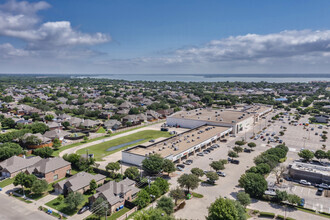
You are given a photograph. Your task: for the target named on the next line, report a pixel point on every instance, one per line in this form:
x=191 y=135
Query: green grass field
x=56 y=153
x=100 y=150
x=114 y=216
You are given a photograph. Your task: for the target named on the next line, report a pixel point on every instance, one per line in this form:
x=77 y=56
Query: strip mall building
x=207 y=126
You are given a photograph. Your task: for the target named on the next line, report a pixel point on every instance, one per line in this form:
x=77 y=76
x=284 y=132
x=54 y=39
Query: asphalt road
x=12 y=209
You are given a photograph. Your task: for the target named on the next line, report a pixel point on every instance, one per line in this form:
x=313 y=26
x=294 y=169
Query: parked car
x=152 y=141
x=302 y=202
x=305 y=182
x=319 y=191
x=188 y=162
x=164 y=129
x=233 y=161
x=206 y=151
x=221 y=173
x=83 y=209
x=323 y=185
x=246 y=150
x=200 y=154
x=180 y=167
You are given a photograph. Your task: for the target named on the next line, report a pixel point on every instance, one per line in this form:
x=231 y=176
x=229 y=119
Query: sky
x=164 y=37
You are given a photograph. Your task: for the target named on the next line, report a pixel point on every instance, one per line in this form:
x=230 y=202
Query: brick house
x=50 y=169
x=116 y=193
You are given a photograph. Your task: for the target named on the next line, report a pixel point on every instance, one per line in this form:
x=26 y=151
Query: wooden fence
x=125 y=216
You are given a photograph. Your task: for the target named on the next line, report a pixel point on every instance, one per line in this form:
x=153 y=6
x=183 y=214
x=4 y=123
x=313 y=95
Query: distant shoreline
x=272 y=78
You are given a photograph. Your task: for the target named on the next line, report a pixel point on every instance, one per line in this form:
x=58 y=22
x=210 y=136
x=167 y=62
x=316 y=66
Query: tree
x=56 y=143
x=132 y=173
x=293 y=199
x=162 y=184
x=238 y=149
x=133 y=111
x=39 y=186
x=49 y=117
x=278 y=172
x=168 y=166
x=32 y=140
x=73 y=200
x=85 y=138
x=188 y=181
x=212 y=176
x=224 y=209
x=217 y=165
x=252 y=145
x=19 y=179
x=240 y=143
x=152 y=214
x=254 y=184
x=153 y=164
x=66 y=124
x=307 y=155
x=197 y=171
x=177 y=194
x=154 y=191
x=9 y=149
x=324 y=137
x=8 y=122
x=92 y=185
x=43 y=152
x=38 y=127
x=243 y=198
x=166 y=204
x=232 y=154
x=320 y=154
x=29 y=180
x=143 y=199
x=281 y=195
x=113 y=166
x=99 y=207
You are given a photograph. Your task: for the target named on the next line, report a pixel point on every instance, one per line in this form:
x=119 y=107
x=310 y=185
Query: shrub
x=267 y=214
x=280 y=217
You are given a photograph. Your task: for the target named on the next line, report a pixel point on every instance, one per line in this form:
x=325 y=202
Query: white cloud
x=7 y=51
x=20 y=20
x=254 y=47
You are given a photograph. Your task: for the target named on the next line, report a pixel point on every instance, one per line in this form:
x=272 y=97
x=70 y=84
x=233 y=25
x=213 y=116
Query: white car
x=305 y=182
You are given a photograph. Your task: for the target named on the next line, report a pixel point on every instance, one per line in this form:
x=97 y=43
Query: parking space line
x=321 y=208
x=309 y=190
x=302 y=189
x=294 y=188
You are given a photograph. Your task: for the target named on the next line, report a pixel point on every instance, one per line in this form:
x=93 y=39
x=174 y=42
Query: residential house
x=112 y=124
x=15 y=164
x=89 y=123
x=78 y=183
x=54 y=125
x=57 y=133
x=50 y=169
x=116 y=193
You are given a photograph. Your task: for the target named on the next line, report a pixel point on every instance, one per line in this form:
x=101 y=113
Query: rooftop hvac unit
x=243 y=114
x=146 y=155
x=163 y=147
x=233 y=121
x=160 y=149
x=197 y=137
x=208 y=118
x=153 y=151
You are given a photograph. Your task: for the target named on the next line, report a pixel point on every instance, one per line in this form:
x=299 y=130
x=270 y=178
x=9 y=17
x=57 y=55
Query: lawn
x=6 y=182
x=22 y=199
x=113 y=216
x=101 y=130
x=100 y=150
x=31 y=195
x=56 y=153
x=60 y=205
